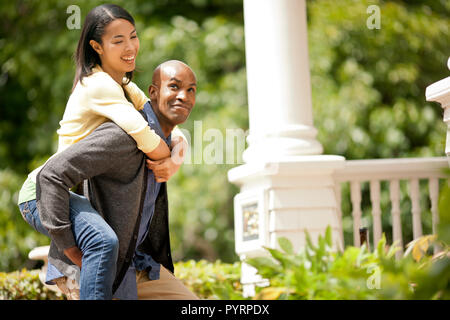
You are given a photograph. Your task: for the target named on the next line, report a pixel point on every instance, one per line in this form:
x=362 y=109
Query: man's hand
x=74 y=254
x=163 y=169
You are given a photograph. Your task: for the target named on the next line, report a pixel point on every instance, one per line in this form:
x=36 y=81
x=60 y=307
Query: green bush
x=17 y=238
x=317 y=272
x=25 y=285
x=208 y=280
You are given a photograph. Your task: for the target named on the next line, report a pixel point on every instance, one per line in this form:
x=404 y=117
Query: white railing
x=392 y=170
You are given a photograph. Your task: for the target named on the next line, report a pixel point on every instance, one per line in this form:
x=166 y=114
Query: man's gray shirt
x=117 y=181
x=142 y=261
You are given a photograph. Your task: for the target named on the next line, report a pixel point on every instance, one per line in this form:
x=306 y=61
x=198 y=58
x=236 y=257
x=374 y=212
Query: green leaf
x=221 y=291
x=309 y=243
x=286 y=245
x=280 y=256
x=259 y=262
x=418 y=247
x=329 y=236
x=381 y=246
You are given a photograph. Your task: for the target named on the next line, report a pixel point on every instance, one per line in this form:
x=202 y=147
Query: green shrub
x=208 y=280
x=317 y=272
x=25 y=285
x=17 y=238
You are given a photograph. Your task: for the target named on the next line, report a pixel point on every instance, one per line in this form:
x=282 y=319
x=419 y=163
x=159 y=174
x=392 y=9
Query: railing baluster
x=394 y=190
x=415 y=202
x=338 y=193
x=356 y=211
x=376 y=210
x=433 y=185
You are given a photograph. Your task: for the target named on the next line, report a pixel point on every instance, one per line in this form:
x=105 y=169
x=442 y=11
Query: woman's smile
x=129 y=59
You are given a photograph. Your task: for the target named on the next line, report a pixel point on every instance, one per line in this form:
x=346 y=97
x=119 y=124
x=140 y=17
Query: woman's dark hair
x=93 y=29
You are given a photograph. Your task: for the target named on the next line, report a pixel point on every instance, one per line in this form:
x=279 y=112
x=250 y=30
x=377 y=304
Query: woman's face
x=119 y=48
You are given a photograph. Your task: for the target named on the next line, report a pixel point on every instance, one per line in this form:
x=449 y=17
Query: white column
x=286 y=185
x=440 y=92
x=279 y=89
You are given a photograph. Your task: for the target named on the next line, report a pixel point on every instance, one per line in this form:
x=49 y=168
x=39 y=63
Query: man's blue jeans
x=96 y=240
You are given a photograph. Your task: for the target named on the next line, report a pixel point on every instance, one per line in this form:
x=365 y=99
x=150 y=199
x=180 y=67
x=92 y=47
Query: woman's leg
x=96 y=240
x=31 y=216
x=100 y=247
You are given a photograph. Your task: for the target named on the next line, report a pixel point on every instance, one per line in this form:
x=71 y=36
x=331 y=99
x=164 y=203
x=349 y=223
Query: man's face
x=174 y=94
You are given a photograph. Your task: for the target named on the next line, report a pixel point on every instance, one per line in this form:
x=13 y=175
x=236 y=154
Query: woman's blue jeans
x=96 y=240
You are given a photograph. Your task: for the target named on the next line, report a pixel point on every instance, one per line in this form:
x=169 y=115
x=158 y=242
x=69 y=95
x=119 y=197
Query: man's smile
x=181 y=107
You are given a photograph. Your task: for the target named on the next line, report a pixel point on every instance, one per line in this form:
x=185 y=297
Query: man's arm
x=107 y=147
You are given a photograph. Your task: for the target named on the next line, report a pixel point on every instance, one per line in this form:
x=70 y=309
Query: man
x=131 y=199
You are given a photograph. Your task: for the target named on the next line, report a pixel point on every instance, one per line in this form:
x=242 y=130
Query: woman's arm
x=137 y=96
x=106 y=98
x=160 y=152
x=166 y=168
x=139 y=99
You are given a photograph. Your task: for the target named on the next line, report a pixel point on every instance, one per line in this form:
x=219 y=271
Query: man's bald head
x=172 y=92
x=168 y=67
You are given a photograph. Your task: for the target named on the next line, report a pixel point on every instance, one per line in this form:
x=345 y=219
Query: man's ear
x=153 y=92
x=96 y=46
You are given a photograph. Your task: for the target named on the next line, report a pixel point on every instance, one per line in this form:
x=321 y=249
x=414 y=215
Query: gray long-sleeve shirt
x=116 y=175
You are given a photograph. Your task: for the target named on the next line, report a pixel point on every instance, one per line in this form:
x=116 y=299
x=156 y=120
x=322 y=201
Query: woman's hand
x=163 y=169
x=74 y=254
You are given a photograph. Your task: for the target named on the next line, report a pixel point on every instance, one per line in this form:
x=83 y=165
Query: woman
x=105 y=59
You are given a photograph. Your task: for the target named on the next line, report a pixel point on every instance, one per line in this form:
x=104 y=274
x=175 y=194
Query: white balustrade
x=411 y=170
